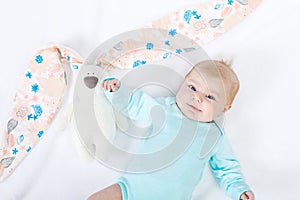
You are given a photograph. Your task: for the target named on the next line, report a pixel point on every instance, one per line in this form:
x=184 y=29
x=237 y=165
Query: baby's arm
x=136 y=105
x=227 y=171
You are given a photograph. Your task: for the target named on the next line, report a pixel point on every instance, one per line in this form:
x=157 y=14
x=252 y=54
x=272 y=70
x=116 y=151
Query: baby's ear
x=227 y=107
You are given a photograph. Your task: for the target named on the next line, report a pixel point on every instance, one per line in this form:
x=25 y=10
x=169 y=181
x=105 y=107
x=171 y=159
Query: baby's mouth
x=197 y=109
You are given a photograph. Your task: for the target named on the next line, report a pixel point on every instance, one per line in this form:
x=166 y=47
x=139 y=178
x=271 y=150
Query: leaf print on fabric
x=138 y=63
x=190 y=49
x=219 y=6
x=6 y=162
x=119 y=46
x=11 y=125
x=28 y=149
x=215 y=22
x=37 y=109
x=243 y=2
x=40 y=133
x=166 y=55
x=187 y=16
x=75 y=66
x=20 y=139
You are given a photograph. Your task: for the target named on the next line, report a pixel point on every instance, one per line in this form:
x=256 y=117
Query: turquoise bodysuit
x=178 y=180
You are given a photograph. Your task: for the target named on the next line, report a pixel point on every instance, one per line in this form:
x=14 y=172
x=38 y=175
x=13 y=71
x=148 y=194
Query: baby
x=207 y=92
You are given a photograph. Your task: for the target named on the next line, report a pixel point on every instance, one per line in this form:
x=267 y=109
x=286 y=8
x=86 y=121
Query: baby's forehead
x=205 y=73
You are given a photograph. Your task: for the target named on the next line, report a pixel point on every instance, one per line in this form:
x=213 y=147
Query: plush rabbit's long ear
x=200 y=23
x=207 y=21
x=37 y=100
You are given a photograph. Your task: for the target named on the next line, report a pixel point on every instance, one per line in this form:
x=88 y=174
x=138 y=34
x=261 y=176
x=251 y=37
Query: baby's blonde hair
x=229 y=78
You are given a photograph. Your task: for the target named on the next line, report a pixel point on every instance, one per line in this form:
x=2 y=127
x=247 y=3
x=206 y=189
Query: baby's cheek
x=215 y=113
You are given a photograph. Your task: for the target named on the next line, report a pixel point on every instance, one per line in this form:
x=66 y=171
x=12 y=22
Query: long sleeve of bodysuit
x=136 y=105
x=226 y=170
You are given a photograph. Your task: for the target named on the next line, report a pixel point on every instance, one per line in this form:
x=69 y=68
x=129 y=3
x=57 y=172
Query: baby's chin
x=192 y=116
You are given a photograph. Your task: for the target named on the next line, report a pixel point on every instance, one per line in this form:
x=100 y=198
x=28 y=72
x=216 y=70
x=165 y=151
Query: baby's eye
x=210 y=97
x=192 y=88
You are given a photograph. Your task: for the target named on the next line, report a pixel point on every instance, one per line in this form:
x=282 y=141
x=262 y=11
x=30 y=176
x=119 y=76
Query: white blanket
x=262 y=125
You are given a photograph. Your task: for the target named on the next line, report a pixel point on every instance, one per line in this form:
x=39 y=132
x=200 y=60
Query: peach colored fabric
x=38 y=97
x=201 y=23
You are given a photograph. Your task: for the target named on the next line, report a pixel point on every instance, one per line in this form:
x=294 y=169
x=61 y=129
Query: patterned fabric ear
x=39 y=95
x=207 y=21
x=201 y=23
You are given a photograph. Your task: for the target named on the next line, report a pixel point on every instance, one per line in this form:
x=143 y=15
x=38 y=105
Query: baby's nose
x=198 y=97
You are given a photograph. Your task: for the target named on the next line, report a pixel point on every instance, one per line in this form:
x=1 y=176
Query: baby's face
x=201 y=96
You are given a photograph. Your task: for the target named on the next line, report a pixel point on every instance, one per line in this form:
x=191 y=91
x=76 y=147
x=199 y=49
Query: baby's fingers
x=110 y=84
x=104 y=85
x=247 y=196
x=243 y=197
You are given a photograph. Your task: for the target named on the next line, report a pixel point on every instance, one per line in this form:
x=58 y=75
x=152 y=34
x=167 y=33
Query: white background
x=263 y=124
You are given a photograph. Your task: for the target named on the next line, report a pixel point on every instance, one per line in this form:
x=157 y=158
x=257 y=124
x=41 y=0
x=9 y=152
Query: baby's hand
x=247 y=196
x=110 y=84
